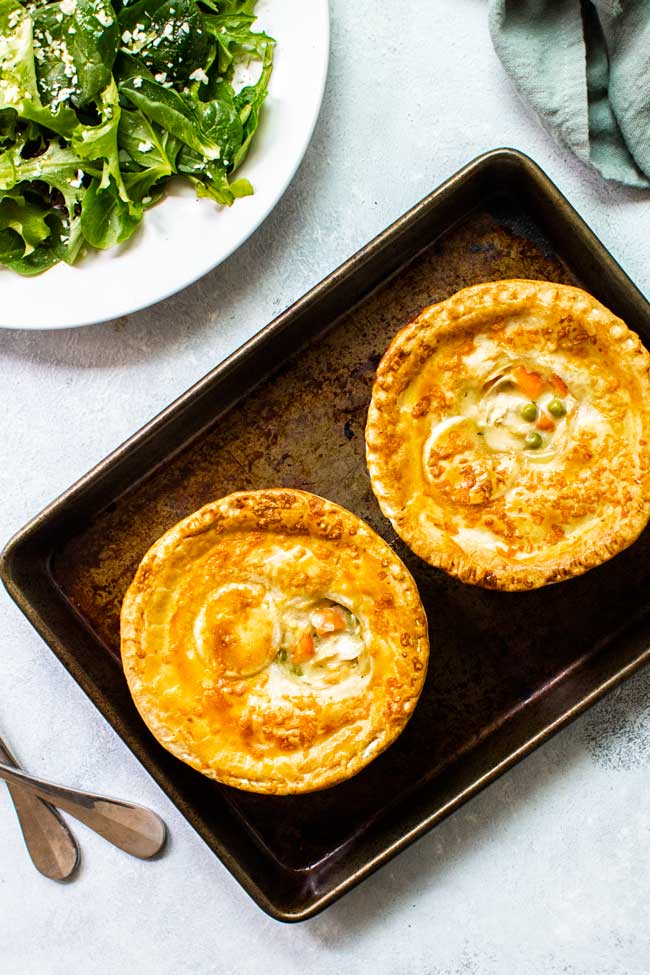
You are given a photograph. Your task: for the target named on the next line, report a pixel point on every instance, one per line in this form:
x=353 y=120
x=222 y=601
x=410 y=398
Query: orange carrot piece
x=559 y=385
x=304 y=648
x=530 y=383
x=328 y=619
x=544 y=422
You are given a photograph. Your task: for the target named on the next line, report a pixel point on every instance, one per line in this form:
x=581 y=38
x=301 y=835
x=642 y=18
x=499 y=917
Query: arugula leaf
x=25 y=219
x=11 y=247
x=235 y=39
x=145 y=142
x=170 y=110
x=220 y=120
x=168 y=36
x=249 y=104
x=18 y=86
x=35 y=263
x=222 y=192
x=95 y=46
x=8 y=120
x=57 y=166
x=99 y=142
x=74 y=49
x=106 y=219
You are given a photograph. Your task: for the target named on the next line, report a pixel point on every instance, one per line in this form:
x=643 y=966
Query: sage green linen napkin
x=585 y=69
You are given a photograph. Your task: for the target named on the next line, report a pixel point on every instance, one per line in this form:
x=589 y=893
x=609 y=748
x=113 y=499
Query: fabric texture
x=584 y=66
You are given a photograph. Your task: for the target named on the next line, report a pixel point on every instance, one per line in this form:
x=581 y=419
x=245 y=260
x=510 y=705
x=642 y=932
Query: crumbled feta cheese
x=78 y=181
x=68 y=6
x=145 y=146
x=161 y=77
x=199 y=75
x=10 y=91
x=137 y=82
x=103 y=17
x=146 y=199
x=62 y=95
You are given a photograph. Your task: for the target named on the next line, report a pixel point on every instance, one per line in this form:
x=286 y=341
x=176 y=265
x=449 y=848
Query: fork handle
x=130 y=827
x=50 y=843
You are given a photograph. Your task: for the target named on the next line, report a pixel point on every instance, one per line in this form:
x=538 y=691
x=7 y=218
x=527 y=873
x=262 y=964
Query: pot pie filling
x=274 y=642
x=243 y=629
x=515 y=445
x=511 y=446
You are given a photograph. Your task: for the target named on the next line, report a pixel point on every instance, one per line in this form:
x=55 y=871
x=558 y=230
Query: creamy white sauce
x=340 y=665
x=481 y=453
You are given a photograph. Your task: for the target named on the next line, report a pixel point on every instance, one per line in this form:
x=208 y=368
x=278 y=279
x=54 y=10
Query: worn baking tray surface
x=505 y=668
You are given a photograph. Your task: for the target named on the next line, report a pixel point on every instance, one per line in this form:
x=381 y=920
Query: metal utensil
x=50 y=843
x=132 y=828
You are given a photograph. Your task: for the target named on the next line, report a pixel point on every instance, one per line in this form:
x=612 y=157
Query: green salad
x=101 y=102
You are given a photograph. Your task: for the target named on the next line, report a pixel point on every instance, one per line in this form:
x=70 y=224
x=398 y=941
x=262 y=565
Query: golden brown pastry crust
x=221 y=592
x=445 y=443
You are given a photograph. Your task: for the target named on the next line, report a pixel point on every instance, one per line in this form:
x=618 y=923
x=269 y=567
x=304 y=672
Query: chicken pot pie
x=507 y=437
x=274 y=642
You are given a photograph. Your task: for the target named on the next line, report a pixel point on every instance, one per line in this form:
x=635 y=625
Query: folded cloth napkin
x=584 y=66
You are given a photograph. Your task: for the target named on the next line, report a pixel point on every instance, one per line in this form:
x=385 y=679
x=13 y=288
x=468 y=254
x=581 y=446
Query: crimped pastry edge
x=269 y=508
x=416 y=341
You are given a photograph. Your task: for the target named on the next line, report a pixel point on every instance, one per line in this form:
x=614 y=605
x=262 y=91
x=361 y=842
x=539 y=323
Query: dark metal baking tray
x=507 y=669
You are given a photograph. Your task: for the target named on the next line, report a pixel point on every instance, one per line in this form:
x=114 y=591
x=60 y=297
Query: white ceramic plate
x=182 y=238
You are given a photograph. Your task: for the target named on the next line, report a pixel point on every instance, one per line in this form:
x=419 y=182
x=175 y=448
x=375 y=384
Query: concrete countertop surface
x=547 y=872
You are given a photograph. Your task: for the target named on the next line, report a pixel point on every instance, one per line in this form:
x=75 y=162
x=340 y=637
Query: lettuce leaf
x=103 y=101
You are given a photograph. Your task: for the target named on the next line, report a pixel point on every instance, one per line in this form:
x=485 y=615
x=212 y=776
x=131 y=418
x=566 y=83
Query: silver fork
x=50 y=843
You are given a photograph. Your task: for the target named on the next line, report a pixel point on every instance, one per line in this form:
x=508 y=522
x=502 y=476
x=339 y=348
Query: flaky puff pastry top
x=274 y=642
x=507 y=437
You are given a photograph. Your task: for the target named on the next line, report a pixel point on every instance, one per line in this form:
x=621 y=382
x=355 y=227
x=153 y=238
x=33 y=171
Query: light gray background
x=548 y=870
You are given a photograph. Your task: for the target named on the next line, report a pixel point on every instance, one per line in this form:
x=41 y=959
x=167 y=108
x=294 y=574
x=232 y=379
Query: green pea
x=297 y=670
x=556 y=407
x=529 y=412
x=282 y=655
x=532 y=440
